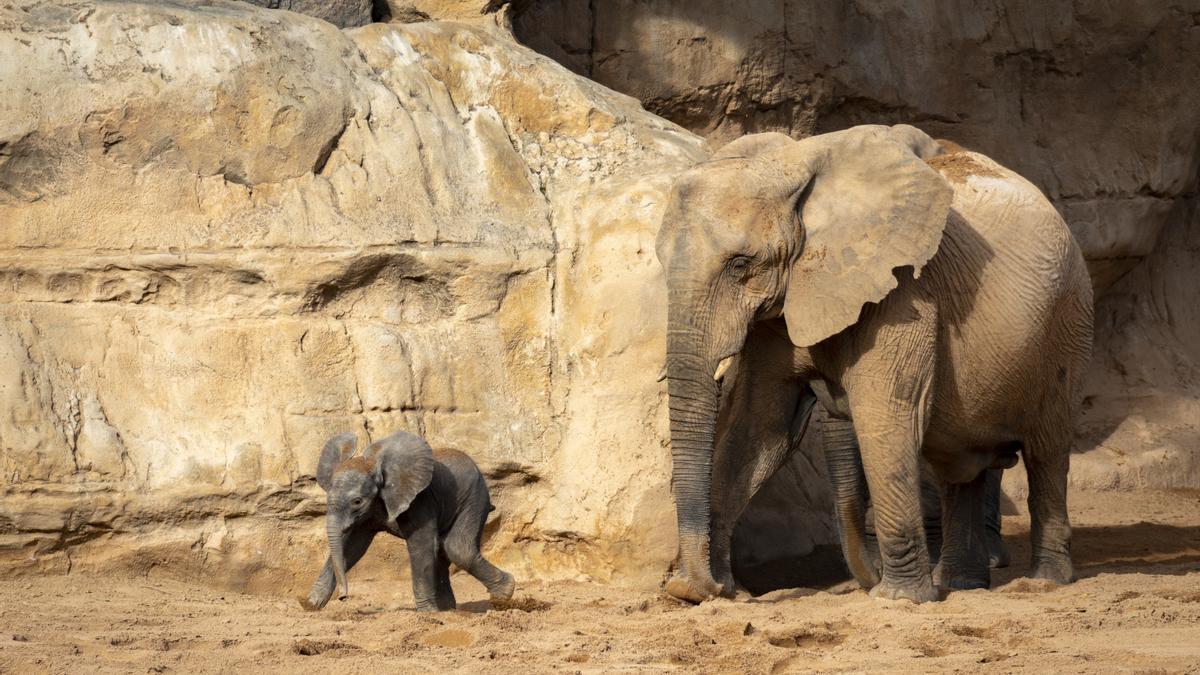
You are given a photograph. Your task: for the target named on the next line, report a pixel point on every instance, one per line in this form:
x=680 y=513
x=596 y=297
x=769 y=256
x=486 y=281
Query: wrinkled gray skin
x=845 y=463
x=436 y=501
x=937 y=307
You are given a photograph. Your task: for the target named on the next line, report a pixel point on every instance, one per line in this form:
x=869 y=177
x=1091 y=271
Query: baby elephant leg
x=445 y=593
x=430 y=571
x=462 y=547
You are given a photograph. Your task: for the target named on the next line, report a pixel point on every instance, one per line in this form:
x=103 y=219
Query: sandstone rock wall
x=231 y=232
x=1091 y=101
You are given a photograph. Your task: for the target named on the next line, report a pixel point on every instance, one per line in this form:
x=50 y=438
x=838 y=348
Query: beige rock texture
x=230 y=232
x=1095 y=103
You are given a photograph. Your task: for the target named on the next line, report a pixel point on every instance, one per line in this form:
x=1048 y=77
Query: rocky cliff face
x=231 y=232
x=1093 y=102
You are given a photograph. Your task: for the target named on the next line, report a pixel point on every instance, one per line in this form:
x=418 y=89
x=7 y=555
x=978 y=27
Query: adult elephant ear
x=403 y=467
x=336 y=450
x=752 y=145
x=920 y=143
x=867 y=205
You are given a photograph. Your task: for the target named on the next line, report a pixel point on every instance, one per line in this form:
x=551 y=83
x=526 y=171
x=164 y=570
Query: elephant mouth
x=719 y=374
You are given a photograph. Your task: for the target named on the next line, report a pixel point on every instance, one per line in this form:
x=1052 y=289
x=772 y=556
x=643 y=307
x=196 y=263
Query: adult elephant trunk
x=337 y=556
x=844 y=461
x=694 y=397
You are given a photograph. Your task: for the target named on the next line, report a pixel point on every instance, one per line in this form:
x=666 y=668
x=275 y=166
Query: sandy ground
x=1136 y=608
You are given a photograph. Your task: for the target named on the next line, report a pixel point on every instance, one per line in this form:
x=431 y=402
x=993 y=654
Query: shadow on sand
x=1139 y=548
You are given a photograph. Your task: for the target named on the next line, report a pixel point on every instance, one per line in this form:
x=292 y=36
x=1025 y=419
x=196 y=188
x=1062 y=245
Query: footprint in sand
x=451 y=637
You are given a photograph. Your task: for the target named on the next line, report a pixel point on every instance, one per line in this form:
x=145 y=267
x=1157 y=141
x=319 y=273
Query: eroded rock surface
x=231 y=232
x=1090 y=101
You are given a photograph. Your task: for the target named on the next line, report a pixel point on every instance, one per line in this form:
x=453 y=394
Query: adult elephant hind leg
x=931 y=510
x=1047 y=460
x=964 y=559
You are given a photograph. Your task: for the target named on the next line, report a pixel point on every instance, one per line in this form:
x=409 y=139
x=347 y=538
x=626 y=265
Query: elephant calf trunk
x=338 y=558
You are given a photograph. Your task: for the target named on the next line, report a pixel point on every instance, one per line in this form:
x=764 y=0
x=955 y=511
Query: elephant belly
x=961 y=460
x=1011 y=290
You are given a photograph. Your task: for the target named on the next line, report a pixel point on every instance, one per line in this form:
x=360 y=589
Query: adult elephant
x=931 y=299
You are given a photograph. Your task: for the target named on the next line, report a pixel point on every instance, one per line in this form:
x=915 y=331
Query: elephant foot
x=1059 y=570
x=963 y=582
x=918 y=592
x=682 y=588
x=309 y=605
x=435 y=606
x=504 y=589
x=951 y=579
x=997 y=553
x=729 y=587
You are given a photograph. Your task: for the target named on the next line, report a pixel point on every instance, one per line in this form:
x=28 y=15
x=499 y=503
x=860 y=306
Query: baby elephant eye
x=357 y=502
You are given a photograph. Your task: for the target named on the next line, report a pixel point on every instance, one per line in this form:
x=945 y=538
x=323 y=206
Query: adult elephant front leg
x=889 y=387
x=761 y=423
x=890 y=458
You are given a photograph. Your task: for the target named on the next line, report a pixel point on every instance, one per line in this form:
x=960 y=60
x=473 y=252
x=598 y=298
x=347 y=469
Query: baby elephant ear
x=337 y=450
x=403 y=467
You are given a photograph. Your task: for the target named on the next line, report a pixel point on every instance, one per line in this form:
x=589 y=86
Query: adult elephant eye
x=739 y=265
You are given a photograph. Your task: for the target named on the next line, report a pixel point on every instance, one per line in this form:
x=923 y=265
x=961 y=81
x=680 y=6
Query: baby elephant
x=436 y=501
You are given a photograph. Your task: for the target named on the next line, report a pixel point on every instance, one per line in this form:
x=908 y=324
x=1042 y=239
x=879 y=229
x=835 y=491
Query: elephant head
x=808 y=230
x=393 y=471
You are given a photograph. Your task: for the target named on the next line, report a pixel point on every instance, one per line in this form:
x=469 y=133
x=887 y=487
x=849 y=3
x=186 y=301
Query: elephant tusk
x=723 y=368
x=662 y=374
